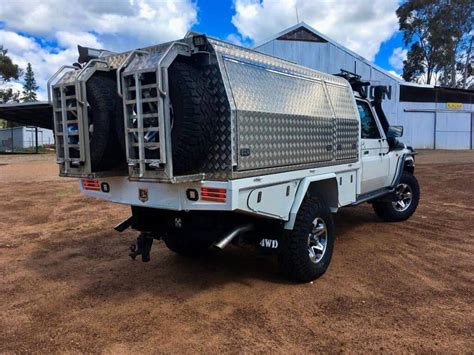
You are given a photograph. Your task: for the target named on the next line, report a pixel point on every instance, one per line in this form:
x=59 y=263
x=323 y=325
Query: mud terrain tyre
x=194 y=116
x=185 y=244
x=307 y=249
x=408 y=196
x=105 y=106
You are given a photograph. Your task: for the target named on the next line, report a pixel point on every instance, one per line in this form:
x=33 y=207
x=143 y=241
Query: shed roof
x=303 y=26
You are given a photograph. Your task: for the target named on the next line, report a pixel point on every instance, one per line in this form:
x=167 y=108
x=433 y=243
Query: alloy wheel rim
x=404 y=197
x=317 y=240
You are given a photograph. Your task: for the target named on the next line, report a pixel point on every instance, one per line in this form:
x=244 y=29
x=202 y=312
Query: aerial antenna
x=296 y=10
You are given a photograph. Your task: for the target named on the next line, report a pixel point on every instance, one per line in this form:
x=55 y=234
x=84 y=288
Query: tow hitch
x=142 y=247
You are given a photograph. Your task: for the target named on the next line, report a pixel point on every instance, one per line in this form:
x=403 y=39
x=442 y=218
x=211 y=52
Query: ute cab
x=381 y=153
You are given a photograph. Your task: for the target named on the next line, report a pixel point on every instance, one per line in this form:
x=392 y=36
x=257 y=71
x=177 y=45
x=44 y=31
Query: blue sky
x=386 y=51
x=46 y=33
x=215 y=19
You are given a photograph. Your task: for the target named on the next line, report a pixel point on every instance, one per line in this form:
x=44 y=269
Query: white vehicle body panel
x=280 y=194
x=375 y=165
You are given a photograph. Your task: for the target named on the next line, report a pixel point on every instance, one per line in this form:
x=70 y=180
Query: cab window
x=369 y=127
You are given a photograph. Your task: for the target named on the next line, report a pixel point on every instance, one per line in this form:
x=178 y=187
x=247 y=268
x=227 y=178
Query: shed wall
x=11 y=138
x=23 y=137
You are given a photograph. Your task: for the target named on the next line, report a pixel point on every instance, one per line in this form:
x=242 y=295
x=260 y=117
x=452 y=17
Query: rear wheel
x=407 y=195
x=307 y=250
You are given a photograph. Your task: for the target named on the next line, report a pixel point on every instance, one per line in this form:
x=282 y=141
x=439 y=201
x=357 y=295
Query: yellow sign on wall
x=454 y=105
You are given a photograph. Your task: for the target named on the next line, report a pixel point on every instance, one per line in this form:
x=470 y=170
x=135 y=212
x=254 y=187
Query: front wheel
x=407 y=196
x=307 y=250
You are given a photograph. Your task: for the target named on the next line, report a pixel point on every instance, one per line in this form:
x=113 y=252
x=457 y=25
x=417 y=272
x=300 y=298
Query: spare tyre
x=193 y=118
x=104 y=113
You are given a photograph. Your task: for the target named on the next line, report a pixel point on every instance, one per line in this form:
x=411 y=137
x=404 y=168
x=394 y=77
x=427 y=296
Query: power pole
x=36 y=140
x=11 y=132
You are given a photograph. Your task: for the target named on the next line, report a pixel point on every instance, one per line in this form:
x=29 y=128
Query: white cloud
x=13 y=85
x=16 y=43
x=399 y=54
x=394 y=73
x=70 y=40
x=234 y=38
x=117 y=25
x=137 y=22
x=23 y=49
x=360 y=25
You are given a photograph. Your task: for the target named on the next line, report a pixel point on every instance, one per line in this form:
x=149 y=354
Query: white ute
x=211 y=144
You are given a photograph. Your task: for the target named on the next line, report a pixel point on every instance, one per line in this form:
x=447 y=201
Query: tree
x=457 y=22
x=8 y=71
x=438 y=34
x=467 y=71
x=416 y=19
x=413 y=68
x=29 y=86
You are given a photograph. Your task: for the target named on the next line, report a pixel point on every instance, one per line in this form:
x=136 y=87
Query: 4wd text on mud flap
x=269 y=243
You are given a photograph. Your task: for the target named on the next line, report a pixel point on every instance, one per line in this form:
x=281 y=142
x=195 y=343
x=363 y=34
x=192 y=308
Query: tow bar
x=144 y=241
x=142 y=247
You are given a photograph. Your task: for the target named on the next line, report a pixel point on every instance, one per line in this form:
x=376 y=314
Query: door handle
x=366 y=152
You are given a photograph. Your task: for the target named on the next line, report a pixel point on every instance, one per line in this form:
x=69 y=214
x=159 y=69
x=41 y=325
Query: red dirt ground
x=67 y=284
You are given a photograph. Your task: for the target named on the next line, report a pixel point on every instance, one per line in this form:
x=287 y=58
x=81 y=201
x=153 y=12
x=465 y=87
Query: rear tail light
x=213 y=194
x=91 y=184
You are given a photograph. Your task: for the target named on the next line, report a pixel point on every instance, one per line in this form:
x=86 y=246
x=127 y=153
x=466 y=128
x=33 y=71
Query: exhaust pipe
x=221 y=244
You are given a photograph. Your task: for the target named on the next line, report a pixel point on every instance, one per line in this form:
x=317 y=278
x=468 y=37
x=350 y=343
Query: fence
x=25 y=140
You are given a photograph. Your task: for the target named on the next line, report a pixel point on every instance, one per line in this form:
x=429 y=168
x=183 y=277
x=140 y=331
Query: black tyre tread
x=194 y=126
x=385 y=210
x=294 y=259
x=105 y=105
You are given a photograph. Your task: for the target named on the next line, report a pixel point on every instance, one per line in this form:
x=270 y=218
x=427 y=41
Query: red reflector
x=91 y=184
x=213 y=194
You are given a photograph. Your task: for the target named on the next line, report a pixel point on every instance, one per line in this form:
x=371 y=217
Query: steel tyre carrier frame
x=279 y=116
x=68 y=95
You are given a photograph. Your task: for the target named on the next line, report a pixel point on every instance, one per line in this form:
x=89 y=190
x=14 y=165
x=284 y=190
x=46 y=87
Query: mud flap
x=269 y=246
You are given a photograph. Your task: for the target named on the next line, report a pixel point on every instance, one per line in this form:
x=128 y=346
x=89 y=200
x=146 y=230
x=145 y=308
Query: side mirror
x=395 y=131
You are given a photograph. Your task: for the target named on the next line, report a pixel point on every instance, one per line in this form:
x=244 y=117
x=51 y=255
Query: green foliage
x=9 y=95
x=8 y=71
x=413 y=66
x=438 y=33
x=29 y=86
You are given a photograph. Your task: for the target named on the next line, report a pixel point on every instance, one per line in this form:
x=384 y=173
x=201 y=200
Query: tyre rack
x=142 y=81
x=70 y=113
x=65 y=114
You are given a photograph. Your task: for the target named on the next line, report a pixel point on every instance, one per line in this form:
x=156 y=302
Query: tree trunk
x=453 y=69
x=429 y=72
x=466 y=65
